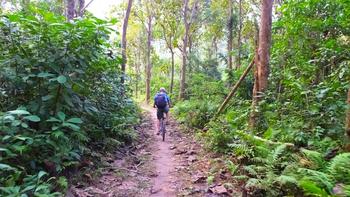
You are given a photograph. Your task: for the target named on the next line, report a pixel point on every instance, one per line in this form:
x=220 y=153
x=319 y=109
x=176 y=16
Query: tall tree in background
x=184 y=50
x=169 y=21
x=239 y=35
x=125 y=27
x=262 y=57
x=230 y=35
x=188 y=15
x=149 y=48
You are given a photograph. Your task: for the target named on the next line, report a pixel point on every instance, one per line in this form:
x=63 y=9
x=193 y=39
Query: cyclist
x=162 y=103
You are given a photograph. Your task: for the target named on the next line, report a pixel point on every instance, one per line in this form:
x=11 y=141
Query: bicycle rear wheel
x=163 y=129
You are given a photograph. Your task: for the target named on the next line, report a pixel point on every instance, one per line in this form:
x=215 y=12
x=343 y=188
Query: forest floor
x=179 y=166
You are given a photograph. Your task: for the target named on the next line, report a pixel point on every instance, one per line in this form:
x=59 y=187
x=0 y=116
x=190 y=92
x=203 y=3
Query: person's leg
x=166 y=111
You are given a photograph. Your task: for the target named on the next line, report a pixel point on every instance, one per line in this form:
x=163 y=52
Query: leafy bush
x=60 y=96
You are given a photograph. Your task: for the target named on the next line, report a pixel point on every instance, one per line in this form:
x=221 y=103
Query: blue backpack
x=161 y=100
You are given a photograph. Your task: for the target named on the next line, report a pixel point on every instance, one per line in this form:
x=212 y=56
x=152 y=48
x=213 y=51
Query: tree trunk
x=253 y=114
x=70 y=9
x=172 y=71
x=81 y=8
x=262 y=59
x=230 y=36
x=239 y=35
x=264 y=45
x=125 y=27
x=184 y=52
x=149 y=65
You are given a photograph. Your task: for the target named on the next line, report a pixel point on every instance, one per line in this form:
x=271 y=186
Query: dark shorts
x=161 y=111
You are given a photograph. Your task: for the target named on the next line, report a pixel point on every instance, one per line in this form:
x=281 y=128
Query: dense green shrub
x=301 y=118
x=204 y=93
x=60 y=95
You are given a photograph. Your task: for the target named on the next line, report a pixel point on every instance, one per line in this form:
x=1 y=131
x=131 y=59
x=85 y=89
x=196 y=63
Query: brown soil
x=179 y=166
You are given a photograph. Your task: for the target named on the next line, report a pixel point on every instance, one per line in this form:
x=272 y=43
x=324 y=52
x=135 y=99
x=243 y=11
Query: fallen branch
x=235 y=87
x=84 y=8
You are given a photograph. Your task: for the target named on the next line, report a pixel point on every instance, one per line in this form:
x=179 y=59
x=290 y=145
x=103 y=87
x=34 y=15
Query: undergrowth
x=60 y=100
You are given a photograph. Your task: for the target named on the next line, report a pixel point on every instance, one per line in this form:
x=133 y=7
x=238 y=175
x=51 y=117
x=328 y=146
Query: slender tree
x=230 y=35
x=188 y=16
x=239 y=42
x=184 y=50
x=123 y=44
x=149 y=63
x=262 y=57
x=169 y=21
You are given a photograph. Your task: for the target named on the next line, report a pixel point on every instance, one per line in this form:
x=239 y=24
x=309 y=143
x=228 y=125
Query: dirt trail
x=150 y=167
x=164 y=161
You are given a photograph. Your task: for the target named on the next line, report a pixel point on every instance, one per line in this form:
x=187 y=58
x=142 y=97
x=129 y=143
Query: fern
x=339 y=168
x=311 y=189
x=286 y=180
x=259 y=160
x=316 y=159
x=250 y=169
x=241 y=150
x=241 y=177
x=347 y=190
x=254 y=183
x=231 y=166
x=278 y=151
x=320 y=178
x=262 y=150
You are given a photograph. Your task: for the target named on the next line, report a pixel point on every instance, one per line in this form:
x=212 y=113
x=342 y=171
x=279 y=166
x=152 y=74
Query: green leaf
x=70 y=125
x=61 y=115
x=32 y=118
x=19 y=112
x=44 y=75
x=55 y=128
x=30 y=187
x=268 y=133
x=24 y=125
x=62 y=182
x=5 y=167
x=53 y=119
x=41 y=174
x=22 y=138
x=16 y=123
x=9 y=117
x=57 y=134
x=61 y=79
x=47 y=97
x=75 y=120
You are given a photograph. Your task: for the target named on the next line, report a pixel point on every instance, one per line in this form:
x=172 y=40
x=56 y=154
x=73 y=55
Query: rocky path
x=150 y=167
